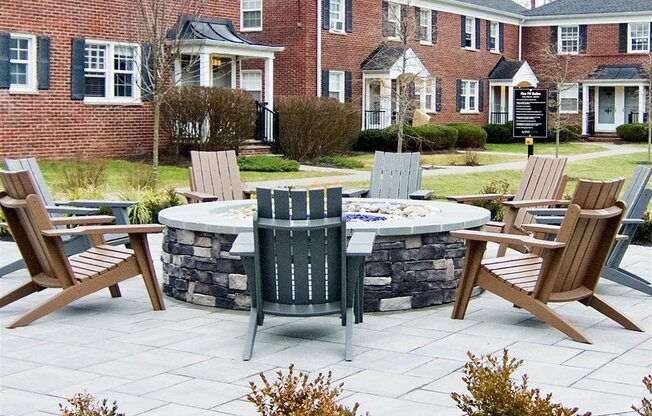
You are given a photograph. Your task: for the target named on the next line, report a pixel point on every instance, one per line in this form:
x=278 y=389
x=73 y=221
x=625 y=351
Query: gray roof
x=382 y=58
x=618 y=72
x=575 y=7
x=505 y=69
x=191 y=27
x=502 y=5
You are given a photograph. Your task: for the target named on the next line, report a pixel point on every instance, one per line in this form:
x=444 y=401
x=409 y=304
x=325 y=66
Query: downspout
x=520 y=40
x=318 y=58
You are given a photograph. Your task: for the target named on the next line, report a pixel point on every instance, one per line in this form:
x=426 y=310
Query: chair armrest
x=71 y=210
x=465 y=199
x=553 y=212
x=106 y=229
x=421 y=195
x=549 y=220
x=198 y=196
x=507 y=239
x=355 y=193
x=533 y=203
x=636 y=221
x=361 y=244
x=87 y=203
x=243 y=245
x=84 y=220
x=622 y=237
x=498 y=226
x=541 y=228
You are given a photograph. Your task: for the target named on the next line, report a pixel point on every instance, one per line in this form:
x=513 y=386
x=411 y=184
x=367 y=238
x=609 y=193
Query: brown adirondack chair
x=40 y=243
x=214 y=176
x=563 y=270
x=542 y=186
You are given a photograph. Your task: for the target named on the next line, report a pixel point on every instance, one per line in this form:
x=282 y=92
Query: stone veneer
x=403 y=272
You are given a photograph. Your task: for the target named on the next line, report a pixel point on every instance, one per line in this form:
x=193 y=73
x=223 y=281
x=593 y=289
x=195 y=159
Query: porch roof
x=505 y=69
x=618 y=73
x=394 y=61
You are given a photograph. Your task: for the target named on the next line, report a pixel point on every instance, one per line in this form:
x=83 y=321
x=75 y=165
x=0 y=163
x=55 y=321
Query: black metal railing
x=632 y=118
x=498 y=117
x=375 y=119
x=267 y=126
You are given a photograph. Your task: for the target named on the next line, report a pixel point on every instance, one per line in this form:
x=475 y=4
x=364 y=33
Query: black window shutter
x=434 y=25
x=77 y=69
x=147 y=67
x=501 y=36
x=459 y=95
x=348 y=86
x=417 y=19
x=324 y=83
x=583 y=38
x=43 y=64
x=4 y=60
x=438 y=94
x=477 y=33
x=553 y=38
x=385 y=18
x=326 y=14
x=622 y=38
x=481 y=96
x=488 y=35
x=348 y=19
x=580 y=97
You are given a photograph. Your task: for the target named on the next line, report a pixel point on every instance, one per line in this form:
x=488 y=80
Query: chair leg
x=251 y=335
x=115 y=291
x=628 y=279
x=610 y=312
x=19 y=293
x=474 y=252
x=552 y=318
x=144 y=259
x=348 y=342
x=12 y=267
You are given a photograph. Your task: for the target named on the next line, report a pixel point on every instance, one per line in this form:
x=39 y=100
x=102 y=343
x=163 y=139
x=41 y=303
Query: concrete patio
x=186 y=360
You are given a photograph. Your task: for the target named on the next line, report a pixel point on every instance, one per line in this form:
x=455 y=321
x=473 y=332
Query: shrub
x=375 y=139
x=493 y=392
x=338 y=162
x=643 y=234
x=470 y=136
x=633 y=132
x=4 y=231
x=141 y=176
x=294 y=395
x=310 y=127
x=150 y=203
x=495 y=206
x=566 y=134
x=267 y=164
x=84 y=173
x=83 y=404
x=646 y=404
x=500 y=133
x=471 y=158
x=430 y=138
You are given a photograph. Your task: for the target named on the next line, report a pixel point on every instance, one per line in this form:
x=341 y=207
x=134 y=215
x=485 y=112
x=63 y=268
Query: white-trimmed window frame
x=242 y=12
x=31 y=87
x=394 y=19
x=339 y=19
x=338 y=87
x=466 y=86
x=569 y=92
x=257 y=72
x=427 y=88
x=630 y=38
x=109 y=71
x=561 y=40
x=427 y=28
x=494 y=33
x=468 y=19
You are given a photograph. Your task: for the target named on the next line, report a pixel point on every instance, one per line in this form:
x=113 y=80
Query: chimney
x=533 y=4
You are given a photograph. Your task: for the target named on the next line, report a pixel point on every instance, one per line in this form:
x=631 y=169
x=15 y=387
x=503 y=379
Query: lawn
x=567 y=149
x=447 y=159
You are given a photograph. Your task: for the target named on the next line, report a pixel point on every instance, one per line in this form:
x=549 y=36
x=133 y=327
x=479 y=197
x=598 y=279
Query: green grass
x=446 y=159
x=572 y=148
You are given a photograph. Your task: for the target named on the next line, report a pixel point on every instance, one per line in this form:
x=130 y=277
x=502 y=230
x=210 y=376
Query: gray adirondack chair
x=394 y=176
x=297 y=259
x=74 y=244
x=636 y=198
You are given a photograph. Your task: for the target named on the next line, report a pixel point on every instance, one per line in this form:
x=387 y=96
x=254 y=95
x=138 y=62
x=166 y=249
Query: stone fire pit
x=415 y=262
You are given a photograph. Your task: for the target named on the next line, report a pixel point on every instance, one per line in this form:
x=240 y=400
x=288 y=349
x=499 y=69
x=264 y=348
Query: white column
x=491 y=101
x=269 y=83
x=510 y=104
x=386 y=100
x=641 y=103
x=585 y=110
x=205 y=72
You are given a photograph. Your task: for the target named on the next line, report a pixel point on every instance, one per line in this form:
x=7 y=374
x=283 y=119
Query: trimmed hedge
x=341 y=162
x=470 y=136
x=267 y=164
x=567 y=134
x=375 y=139
x=636 y=132
x=500 y=133
x=422 y=138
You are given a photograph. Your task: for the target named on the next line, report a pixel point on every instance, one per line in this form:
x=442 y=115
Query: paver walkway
x=185 y=361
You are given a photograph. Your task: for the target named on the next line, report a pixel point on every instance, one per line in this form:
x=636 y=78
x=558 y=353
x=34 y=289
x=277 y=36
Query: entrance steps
x=254 y=148
x=605 y=138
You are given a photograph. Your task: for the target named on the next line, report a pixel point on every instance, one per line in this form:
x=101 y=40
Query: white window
x=569 y=39
x=336 y=85
x=252 y=81
x=393 y=20
x=469 y=96
x=188 y=70
x=22 y=63
x=251 y=15
x=469 y=32
x=568 y=98
x=494 y=36
x=336 y=8
x=110 y=73
x=428 y=90
x=639 y=37
x=425 y=25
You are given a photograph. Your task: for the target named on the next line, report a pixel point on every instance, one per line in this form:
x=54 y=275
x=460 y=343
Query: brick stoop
x=255 y=147
x=604 y=138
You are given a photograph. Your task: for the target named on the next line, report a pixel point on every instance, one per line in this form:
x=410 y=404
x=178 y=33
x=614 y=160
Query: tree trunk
x=155 y=143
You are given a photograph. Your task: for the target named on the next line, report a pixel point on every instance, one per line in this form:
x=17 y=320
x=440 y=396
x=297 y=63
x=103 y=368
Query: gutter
x=318 y=57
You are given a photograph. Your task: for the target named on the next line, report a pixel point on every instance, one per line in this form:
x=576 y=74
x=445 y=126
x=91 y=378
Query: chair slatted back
x=395 y=175
x=543 y=178
x=589 y=235
x=30 y=165
x=296 y=263
x=216 y=173
x=27 y=217
x=637 y=185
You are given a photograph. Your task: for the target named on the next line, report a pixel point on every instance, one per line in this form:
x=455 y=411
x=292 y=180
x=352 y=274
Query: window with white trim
x=425 y=25
x=251 y=16
x=22 y=62
x=336 y=85
x=469 y=32
x=336 y=10
x=110 y=72
x=494 y=36
x=469 y=96
x=427 y=104
x=252 y=81
x=568 y=98
x=394 y=20
x=188 y=70
x=639 y=37
x=569 y=39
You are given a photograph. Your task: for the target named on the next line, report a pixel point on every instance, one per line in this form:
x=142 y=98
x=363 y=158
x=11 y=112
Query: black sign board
x=530 y=113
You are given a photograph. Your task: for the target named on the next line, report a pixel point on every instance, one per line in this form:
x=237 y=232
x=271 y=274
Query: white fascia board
x=587 y=19
x=614 y=82
x=466 y=9
x=525 y=74
x=227 y=48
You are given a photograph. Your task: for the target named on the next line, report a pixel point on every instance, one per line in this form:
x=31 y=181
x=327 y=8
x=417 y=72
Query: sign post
x=530 y=115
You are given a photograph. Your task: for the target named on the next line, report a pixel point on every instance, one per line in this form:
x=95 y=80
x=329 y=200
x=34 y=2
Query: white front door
x=610 y=109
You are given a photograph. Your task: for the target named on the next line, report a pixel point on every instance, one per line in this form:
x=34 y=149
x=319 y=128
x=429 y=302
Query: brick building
x=70 y=70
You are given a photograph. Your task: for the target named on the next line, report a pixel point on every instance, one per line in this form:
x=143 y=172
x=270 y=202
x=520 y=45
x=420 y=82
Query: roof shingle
x=578 y=7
